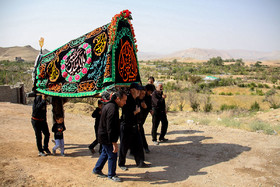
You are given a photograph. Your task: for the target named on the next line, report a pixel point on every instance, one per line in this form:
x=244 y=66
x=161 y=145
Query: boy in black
x=96 y=114
x=58 y=129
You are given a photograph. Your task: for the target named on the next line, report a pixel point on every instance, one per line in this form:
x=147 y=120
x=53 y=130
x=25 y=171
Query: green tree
x=216 y=61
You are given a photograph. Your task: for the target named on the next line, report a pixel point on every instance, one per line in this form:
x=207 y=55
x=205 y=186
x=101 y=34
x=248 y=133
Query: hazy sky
x=162 y=26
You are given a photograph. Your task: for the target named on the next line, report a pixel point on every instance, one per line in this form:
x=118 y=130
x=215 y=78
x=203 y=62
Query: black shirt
x=96 y=114
x=109 y=126
x=128 y=118
x=39 y=109
x=158 y=103
x=58 y=129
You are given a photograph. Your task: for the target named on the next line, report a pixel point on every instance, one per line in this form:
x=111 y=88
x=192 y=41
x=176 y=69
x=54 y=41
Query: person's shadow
x=183 y=157
x=78 y=150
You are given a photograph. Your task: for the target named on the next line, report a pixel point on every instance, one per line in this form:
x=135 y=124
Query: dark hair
x=100 y=102
x=151 y=77
x=58 y=116
x=150 y=87
x=118 y=94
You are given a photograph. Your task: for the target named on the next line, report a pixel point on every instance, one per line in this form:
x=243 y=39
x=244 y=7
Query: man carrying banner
x=130 y=137
x=108 y=134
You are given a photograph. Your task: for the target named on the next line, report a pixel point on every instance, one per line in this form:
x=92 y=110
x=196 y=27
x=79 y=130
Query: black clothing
x=57 y=108
x=96 y=114
x=109 y=126
x=39 y=109
x=58 y=129
x=39 y=128
x=130 y=137
x=128 y=118
x=39 y=123
x=142 y=118
x=158 y=107
x=158 y=103
x=157 y=118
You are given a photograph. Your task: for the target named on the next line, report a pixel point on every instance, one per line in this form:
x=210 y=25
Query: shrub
x=255 y=106
x=228 y=107
x=207 y=104
x=259 y=92
x=261 y=126
x=260 y=85
x=230 y=122
x=253 y=84
x=266 y=86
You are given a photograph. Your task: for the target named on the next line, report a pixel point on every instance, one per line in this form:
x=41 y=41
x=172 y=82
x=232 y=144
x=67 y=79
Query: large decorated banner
x=95 y=62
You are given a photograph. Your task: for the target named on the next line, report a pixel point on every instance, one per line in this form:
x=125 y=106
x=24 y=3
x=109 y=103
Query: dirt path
x=195 y=155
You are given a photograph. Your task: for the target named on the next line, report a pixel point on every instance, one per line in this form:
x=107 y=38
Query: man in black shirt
x=39 y=123
x=159 y=114
x=108 y=134
x=130 y=137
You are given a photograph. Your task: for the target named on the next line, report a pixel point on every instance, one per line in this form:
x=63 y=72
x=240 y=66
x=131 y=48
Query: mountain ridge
x=205 y=54
x=28 y=53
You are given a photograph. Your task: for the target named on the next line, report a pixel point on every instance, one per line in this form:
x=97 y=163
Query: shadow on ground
x=185 y=156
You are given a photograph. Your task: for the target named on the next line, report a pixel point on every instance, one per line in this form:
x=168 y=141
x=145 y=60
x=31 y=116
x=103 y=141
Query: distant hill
x=27 y=53
x=205 y=54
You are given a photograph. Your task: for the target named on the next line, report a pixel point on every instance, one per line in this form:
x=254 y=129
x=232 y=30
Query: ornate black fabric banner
x=92 y=63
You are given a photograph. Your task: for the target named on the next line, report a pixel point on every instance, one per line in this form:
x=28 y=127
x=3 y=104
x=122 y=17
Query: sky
x=161 y=26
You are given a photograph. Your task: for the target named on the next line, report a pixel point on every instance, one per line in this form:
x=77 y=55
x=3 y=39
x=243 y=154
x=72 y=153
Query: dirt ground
x=195 y=155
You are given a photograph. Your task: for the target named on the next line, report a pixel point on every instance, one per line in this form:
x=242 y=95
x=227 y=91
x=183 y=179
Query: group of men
x=136 y=105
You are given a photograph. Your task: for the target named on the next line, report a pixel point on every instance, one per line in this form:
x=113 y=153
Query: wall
x=13 y=94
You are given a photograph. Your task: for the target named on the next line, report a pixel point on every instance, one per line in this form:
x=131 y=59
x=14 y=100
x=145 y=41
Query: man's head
x=120 y=98
x=151 y=80
x=100 y=104
x=142 y=92
x=135 y=90
x=159 y=86
x=149 y=89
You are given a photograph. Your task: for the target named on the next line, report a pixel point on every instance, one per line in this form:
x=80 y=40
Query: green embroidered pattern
x=78 y=41
x=69 y=87
x=48 y=58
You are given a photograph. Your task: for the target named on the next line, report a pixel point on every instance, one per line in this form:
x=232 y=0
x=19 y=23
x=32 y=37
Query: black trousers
x=95 y=142
x=157 y=118
x=39 y=128
x=143 y=138
x=142 y=131
x=130 y=138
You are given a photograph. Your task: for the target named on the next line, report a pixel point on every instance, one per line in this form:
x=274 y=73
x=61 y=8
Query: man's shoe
x=147 y=150
x=124 y=168
x=47 y=151
x=115 y=179
x=143 y=165
x=155 y=143
x=99 y=174
x=41 y=154
x=53 y=152
x=163 y=140
x=62 y=154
